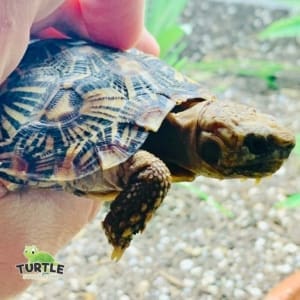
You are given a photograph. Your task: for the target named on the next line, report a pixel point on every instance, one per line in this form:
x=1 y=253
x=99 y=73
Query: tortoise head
x=230 y=140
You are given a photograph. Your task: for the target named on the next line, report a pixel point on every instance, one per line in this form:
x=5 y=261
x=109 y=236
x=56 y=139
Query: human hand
x=116 y=23
x=49 y=219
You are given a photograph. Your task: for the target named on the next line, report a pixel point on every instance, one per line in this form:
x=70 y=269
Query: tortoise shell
x=72 y=108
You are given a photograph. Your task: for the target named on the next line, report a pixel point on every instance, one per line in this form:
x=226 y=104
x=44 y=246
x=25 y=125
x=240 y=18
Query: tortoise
x=122 y=126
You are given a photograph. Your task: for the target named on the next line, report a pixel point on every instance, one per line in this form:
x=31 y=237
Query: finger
x=117 y=23
x=148 y=44
x=49 y=33
x=16 y=18
x=14 y=36
x=120 y=24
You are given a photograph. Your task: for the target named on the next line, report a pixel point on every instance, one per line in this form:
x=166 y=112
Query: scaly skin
x=136 y=204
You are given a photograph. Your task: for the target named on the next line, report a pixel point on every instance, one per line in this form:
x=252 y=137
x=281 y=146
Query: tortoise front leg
x=135 y=205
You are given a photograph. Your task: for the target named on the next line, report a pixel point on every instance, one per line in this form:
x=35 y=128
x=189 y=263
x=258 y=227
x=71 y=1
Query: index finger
x=116 y=23
x=14 y=36
x=16 y=18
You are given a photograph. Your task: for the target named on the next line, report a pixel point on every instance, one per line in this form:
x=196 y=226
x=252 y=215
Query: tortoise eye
x=210 y=151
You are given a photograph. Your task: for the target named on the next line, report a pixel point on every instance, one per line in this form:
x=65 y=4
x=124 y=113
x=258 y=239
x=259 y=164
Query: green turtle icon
x=33 y=254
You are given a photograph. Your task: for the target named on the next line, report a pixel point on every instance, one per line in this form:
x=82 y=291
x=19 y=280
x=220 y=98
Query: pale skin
x=50 y=219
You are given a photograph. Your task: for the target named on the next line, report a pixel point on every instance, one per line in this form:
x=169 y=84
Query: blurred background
x=211 y=239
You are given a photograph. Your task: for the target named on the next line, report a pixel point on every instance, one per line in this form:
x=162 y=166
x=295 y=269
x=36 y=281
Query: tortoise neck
x=172 y=143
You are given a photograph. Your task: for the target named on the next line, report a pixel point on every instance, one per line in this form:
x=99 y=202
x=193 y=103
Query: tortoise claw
x=117 y=253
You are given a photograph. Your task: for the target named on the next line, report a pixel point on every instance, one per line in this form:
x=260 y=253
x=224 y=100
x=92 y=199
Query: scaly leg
x=135 y=205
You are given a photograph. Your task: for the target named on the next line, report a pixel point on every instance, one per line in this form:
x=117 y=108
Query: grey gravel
x=191 y=250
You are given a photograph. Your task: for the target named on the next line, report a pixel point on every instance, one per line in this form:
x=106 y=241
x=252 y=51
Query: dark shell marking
x=72 y=108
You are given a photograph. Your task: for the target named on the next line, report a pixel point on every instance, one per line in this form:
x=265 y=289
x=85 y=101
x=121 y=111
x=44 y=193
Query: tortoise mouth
x=252 y=169
x=246 y=165
x=257 y=169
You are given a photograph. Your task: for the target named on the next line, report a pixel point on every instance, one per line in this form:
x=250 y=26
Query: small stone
x=133 y=261
x=93 y=258
x=92 y=288
x=277 y=245
x=163 y=231
x=262 y=225
x=72 y=296
x=189 y=282
x=164 y=297
x=186 y=264
x=142 y=288
x=259 y=207
x=259 y=244
x=193 y=251
x=259 y=277
x=223 y=263
x=254 y=291
x=208 y=278
x=293 y=232
x=197 y=271
x=159 y=281
x=212 y=289
x=89 y=296
x=229 y=284
x=284 y=269
x=26 y=296
x=124 y=297
x=133 y=251
x=218 y=253
x=239 y=294
x=268 y=268
x=74 y=283
x=290 y=248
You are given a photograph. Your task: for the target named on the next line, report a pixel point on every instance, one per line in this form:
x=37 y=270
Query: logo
x=40 y=265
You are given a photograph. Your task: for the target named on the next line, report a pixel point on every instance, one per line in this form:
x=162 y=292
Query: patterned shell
x=71 y=108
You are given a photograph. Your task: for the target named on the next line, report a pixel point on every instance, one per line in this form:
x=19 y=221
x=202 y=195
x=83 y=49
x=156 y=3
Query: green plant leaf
x=295 y=3
x=162 y=14
x=168 y=38
x=286 y=27
x=263 y=69
x=162 y=20
x=173 y=56
x=297 y=147
x=291 y=201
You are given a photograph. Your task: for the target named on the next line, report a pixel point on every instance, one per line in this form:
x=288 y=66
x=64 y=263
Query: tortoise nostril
x=256 y=144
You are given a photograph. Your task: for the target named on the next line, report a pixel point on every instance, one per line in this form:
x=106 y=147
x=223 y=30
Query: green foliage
x=291 y=201
x=205 y=197
x=283 y=28
x=295 y=3
x=297 y=147
x=162 y=20
x=263 y=69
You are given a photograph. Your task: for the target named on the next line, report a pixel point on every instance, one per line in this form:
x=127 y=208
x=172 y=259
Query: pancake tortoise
x=122 y=126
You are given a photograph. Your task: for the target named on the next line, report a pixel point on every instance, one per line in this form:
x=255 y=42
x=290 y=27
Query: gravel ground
x=192 y=249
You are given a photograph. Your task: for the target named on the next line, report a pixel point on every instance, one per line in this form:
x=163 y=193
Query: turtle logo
x=40 y=264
